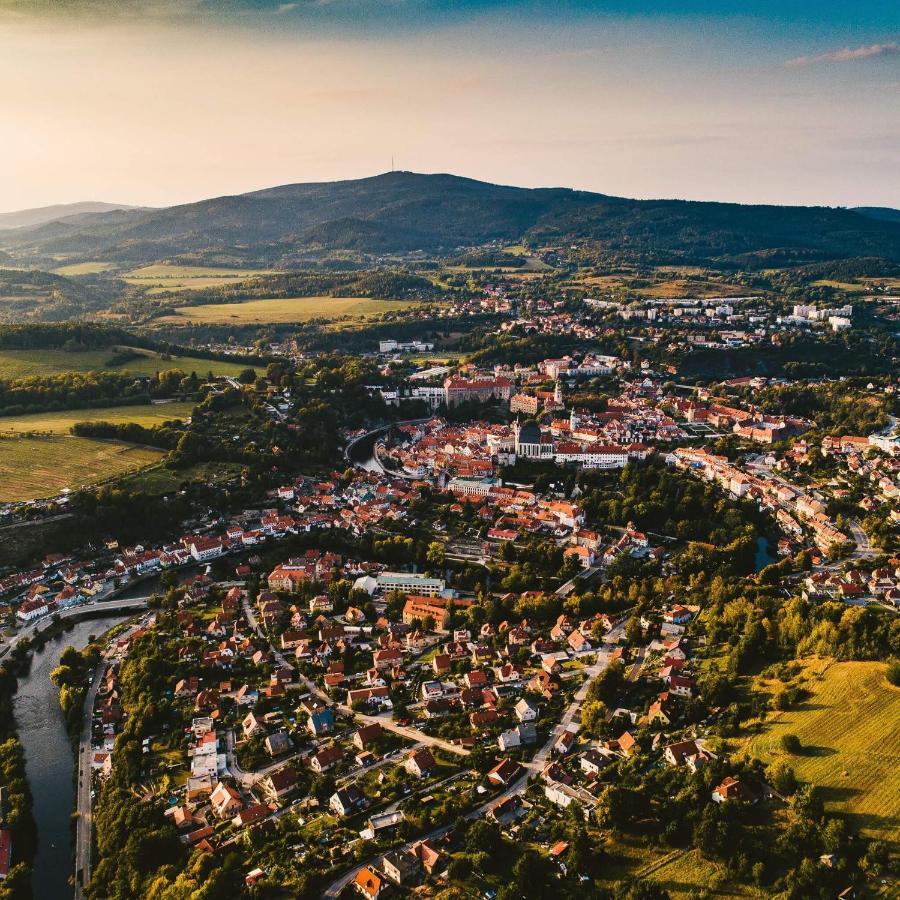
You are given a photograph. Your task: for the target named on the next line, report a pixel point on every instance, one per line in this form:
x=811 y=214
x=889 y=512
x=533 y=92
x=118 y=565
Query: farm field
x=859 y=285
x=288 y=309
x=161 y=278
x=22 y=363
x=62 y=422
x=35 y=467
x=83 y=268
x=850 y=731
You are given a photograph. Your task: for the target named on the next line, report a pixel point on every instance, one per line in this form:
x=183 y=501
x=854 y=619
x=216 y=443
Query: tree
x=893 y=672
x=247 y=376
x=807 y=804
x=593 y=714
x=617 y=807
x=608 y=684
x=783 y=778
x=714 y=833
x=530 y=874
x=435 y=556
x=633 y=631
x=790 y=743
x=483 y=836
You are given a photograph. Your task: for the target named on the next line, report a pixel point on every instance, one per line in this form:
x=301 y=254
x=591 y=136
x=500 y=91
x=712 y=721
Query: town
x=468 y=638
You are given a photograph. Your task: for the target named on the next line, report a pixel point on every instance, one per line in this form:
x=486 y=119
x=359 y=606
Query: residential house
x=367 y=883
x=347 y=800
x=367 y=735
x=420 y=763
x=277 y=784
x=401 y=867
x=504 y=773
x=278 y=743
x=731 y=788
x=225 y=801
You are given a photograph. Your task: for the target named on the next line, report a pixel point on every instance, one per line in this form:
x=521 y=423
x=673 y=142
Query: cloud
x=286 y=7
x=848 y=54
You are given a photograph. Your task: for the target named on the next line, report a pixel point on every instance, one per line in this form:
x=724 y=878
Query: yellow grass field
x=686 y=874
x=83 y=268
x=62 y=422
x=161 y=278
x=35 y=467
x=22 y=363
x=283 y=310
x=850 y=731
x=678 y=288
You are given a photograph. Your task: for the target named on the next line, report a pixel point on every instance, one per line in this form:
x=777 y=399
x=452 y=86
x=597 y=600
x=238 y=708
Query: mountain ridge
x=407 y=212
x=41 y=215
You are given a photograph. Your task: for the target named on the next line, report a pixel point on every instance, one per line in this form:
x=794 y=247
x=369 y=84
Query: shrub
x=893 y=672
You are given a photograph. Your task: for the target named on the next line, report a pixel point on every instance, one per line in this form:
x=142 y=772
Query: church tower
x=558 y=393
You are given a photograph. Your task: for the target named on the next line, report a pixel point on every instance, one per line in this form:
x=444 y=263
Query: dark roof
x=529 y=433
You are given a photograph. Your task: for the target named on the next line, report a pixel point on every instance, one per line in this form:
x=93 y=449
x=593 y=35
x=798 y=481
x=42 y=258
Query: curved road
x=30 y=629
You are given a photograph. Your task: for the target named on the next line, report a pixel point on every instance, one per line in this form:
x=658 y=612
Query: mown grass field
x=850 y=731
x=22 y=363
x=62 y=422
x=687 y=874
x=287 y=309
x=35 y=467
x=161 y=278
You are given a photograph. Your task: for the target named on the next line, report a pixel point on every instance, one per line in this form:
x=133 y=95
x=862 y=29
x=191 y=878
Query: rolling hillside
x=401 y=212
x=26 y=218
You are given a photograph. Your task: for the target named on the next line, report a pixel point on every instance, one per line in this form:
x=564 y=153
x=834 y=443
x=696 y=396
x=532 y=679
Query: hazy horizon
x=163 y=102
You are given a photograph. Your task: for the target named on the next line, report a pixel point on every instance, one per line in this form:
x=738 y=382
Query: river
x=362 y=453
x=49 y=761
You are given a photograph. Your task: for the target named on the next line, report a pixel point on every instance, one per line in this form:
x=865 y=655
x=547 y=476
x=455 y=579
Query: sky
x=158 y=102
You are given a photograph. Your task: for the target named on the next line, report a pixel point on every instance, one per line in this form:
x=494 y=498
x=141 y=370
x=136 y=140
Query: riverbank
x=49 y=761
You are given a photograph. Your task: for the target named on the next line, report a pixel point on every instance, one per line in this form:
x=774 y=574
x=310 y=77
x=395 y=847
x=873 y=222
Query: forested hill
x=25 y=218
x=884 y=213
x=403 y=211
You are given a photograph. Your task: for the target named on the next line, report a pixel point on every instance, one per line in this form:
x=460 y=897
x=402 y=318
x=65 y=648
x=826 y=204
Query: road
x=635 y=671
x=584 y=575
x=30 y=629
x=864 y=548
x=411 y=734
x=536 y=765
x=83 y=827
